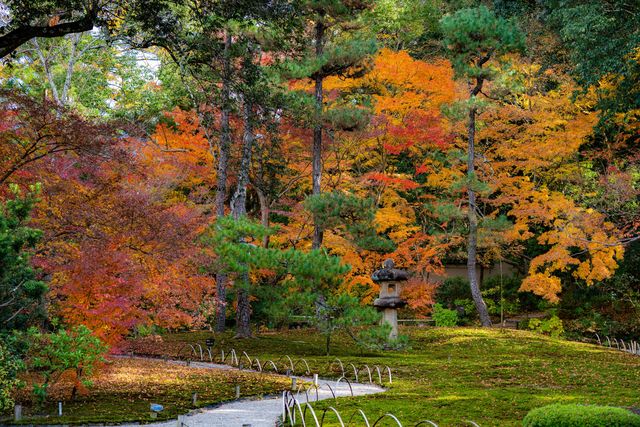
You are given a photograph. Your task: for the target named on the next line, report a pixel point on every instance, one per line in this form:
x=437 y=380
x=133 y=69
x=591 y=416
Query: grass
x=491 y=376
x=123 y=389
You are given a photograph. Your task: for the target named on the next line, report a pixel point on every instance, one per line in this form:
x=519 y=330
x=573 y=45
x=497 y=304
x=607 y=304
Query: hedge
x=580 y=416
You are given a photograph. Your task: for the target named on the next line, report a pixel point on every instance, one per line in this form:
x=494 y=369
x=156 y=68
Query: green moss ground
x=491 y=376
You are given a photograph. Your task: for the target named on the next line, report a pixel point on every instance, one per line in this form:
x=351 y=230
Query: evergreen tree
x=353 y=215
x=331 y=51
x=21 y=293
x=474 y=37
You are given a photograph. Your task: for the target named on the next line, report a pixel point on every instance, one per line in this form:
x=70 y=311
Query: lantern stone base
x=390 y=316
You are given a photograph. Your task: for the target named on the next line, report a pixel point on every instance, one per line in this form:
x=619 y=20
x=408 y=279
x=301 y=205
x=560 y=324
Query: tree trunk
x=317 y=134
x=328 y=344
x=64 y=97
x=264 y=212
x=239 y=209
x=243 y=312
x=47 y=70
x=472 y=244
x=221 y=184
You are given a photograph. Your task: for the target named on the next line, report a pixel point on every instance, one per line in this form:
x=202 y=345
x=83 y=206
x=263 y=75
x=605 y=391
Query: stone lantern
x=390 y=280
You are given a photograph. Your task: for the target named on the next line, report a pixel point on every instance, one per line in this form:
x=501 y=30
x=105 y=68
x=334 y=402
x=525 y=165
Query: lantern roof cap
x=389 y=274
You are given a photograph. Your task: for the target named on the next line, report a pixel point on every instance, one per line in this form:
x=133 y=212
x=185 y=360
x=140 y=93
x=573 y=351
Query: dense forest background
x=178 y=164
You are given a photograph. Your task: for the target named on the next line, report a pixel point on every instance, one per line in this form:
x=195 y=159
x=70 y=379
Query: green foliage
x=451 y=289
x=552 y=326
x=612 y=308
x=471 y=35
x=560 y=415
x=350 y=214
x=406 y=24
x=347 y=118
x=377 y=338
x=443 y=316
x=501 y=294
x=54 y=354
x=344 y=312
x=10 y=365
x=586 y=27
x=231 y=240
x=304 y=281
x=505 y=296
x=21 y=294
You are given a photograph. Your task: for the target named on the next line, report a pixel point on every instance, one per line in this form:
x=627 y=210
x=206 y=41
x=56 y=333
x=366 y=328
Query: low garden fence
x=629 y=346
x=302 y=413
x=372 y=374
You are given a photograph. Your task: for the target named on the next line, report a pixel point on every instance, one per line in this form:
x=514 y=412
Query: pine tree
x=21 y=293
x=333 y=51
x=473 y=37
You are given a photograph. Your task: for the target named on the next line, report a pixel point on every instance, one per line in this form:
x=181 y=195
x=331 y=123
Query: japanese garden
x=320 y=213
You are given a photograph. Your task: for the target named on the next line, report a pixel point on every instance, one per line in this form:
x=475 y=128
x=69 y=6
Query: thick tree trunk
x=243 y=315
x=239 y=209
x=317 y=134
x=472 y=243
x=221 y=184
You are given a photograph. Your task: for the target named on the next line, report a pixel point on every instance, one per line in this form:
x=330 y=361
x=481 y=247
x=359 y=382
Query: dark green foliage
x=299 y=283
x=351 y=215
x=347 y=118
x=599 y=34
x=453 y=288
x=504 y=294
x=595 y=39
x=471 y=35
x=231 y=240
x=347 y=59
x=580 y=416
x=341 y=50
x=21 y=293
x=501 y=295
x=295 y=279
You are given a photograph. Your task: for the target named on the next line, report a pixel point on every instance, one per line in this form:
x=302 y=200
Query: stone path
x=259 y=413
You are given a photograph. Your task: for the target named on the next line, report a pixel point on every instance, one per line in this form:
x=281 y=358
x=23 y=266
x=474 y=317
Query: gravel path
x=263 y=412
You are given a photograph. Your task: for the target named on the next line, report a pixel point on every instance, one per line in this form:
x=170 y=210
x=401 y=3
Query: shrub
x=76 y=350
x=552 y=326
x=10 y=365
x=452 y=289
x=580 y=416
x=443 y=316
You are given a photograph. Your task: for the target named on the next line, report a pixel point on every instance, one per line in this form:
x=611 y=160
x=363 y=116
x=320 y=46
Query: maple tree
x=120 y=230
x=33 y=130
